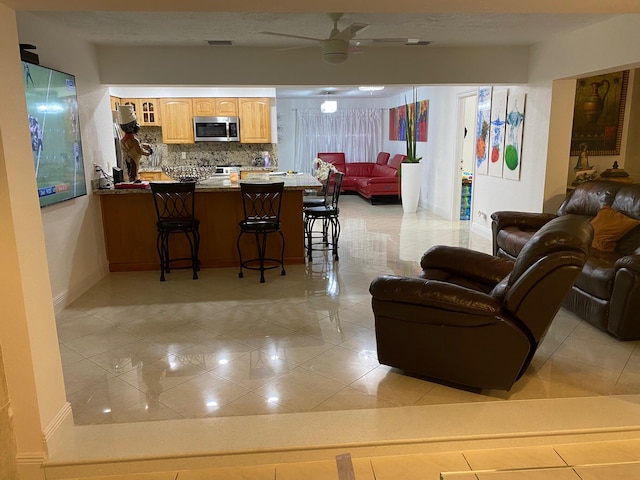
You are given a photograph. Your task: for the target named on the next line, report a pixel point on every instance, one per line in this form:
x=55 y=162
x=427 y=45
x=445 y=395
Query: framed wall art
x=483 y=122
x=598 y=113
x=497 y=132
x=513 y=137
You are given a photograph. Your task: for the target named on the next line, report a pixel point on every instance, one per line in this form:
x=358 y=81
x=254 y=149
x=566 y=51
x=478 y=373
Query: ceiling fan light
x=329 y=106
x=370 y=88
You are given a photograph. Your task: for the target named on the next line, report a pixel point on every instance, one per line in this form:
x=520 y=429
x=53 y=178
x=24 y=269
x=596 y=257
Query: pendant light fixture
x=329 y=106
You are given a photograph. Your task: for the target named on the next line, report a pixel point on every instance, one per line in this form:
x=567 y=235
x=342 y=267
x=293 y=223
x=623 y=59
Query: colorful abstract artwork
x=598 y=114
x=394 y=124
x=482 y=130
x=497 y=132
x=398 y=123
x=513 y=137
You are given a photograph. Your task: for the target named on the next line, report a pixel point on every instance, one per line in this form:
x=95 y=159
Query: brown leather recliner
x=475 y=320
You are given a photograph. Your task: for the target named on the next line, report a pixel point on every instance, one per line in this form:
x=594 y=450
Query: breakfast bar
x=129 y=221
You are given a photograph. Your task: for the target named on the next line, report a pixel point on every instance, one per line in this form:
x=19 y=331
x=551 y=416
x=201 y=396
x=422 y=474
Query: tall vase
x=410 y=186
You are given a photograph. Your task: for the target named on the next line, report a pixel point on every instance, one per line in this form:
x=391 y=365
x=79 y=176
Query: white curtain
x=357 y=132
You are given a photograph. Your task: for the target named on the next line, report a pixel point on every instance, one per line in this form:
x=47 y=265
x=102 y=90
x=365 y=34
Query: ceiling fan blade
x=349 y=32
x=299 y=47
x=292 y=36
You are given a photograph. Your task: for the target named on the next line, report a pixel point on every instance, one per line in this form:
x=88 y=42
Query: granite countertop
x=298 y=181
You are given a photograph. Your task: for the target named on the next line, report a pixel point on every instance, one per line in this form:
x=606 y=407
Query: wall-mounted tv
x=52 y=107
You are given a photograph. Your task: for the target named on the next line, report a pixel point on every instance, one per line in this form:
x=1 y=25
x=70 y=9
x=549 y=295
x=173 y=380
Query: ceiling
x=243 y=29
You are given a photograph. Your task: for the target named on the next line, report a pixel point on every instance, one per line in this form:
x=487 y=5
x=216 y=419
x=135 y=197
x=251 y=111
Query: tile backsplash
x=201 y=153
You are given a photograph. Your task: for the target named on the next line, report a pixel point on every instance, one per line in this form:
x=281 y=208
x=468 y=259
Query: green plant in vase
x=410 y=130
x=410 y=180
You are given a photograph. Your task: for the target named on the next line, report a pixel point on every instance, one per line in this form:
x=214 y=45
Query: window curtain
x=356 y=132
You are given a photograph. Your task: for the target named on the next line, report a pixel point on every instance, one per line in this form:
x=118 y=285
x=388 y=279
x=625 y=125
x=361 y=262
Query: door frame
x=457 y=188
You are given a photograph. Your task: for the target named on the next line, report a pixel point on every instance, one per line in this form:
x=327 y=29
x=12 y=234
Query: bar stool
x=329 y=216
x=175 y=205
x=261 y=204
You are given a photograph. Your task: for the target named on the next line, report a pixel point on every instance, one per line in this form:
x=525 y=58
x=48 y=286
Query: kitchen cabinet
x=255 y=120
x=177 y=120
x=215 y=107
x=146 y=110
x=153 y=176
x=115 y=103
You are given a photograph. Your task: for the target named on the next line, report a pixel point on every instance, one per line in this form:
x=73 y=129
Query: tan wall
x=8 y=469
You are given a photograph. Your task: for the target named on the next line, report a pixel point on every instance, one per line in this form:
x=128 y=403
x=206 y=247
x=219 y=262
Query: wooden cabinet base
x=129 y=221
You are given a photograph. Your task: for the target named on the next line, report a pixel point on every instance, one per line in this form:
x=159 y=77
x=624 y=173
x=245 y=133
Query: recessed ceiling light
x=370 y=88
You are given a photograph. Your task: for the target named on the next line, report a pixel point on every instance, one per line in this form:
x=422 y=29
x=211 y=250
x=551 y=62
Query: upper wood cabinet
x=215 y=107
x=177 y=120
x=255 y=120
x=115 y=102
x=146 y=109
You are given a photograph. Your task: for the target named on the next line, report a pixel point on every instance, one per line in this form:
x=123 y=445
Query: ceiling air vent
x=220 y=43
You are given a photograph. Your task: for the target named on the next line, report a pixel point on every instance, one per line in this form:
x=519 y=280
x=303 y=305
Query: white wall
x=73 y=229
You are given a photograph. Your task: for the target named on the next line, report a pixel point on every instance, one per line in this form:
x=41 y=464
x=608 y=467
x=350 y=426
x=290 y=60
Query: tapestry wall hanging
x=598 y=114
x=398 y=122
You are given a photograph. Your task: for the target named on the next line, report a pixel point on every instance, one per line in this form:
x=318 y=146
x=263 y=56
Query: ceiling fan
x=337 y=47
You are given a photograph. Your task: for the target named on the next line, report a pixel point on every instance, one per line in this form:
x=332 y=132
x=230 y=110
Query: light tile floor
x=135 y=349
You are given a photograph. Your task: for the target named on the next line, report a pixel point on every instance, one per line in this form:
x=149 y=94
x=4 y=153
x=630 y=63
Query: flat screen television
x=52 y=108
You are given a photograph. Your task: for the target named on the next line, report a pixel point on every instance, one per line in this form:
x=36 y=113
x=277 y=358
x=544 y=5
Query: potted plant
x=410 y=167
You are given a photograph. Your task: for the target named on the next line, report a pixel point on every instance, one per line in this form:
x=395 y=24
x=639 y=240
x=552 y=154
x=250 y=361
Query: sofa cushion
x=359 y=169
x=630 y=243
x=609 y=226
x=597 y=274
x=396 y=160
x=627 y=201
x=382 y=158
x=383 y=171
x=589 y=198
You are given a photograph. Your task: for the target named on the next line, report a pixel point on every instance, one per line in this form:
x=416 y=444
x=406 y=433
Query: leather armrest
x=433 y=293
x=467 y=263
x=522 y=219
x=632 y=262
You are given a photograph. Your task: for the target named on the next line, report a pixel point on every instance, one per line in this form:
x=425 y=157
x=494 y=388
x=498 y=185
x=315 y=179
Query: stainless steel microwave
x=216 y=129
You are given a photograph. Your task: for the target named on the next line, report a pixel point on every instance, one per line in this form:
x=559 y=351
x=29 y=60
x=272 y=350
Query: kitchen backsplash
x=201 y=153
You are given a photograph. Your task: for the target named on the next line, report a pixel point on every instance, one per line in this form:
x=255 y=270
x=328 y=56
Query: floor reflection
x=220 y=346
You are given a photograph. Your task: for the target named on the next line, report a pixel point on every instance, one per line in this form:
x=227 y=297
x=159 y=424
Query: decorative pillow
x=609 y=226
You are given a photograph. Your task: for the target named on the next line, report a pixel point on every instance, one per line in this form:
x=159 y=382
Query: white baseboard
x=64 y=299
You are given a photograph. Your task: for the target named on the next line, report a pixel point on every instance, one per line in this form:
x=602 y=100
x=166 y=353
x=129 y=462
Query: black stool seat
x=261 y=203
x=328 y=213
x=175 y=205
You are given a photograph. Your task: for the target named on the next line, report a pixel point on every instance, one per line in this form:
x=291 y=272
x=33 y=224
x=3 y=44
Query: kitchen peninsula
x=129 y=222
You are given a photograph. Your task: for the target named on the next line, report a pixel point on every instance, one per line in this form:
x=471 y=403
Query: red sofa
x=367 y=178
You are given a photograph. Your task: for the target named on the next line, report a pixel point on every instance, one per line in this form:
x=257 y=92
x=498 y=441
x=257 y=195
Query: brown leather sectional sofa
x=607 y=292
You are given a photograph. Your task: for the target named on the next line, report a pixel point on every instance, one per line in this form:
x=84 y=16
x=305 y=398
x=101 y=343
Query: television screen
x=52 y=107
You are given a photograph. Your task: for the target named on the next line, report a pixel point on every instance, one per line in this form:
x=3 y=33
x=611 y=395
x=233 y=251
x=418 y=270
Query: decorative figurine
x=583 y=159
x=132 y=149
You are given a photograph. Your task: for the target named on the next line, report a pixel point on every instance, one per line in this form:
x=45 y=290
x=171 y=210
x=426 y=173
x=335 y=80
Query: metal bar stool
x=175 y=205
x=261 y=203
x=328 y=214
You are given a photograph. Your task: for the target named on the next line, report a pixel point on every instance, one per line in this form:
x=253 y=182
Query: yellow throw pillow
x=609 y=226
